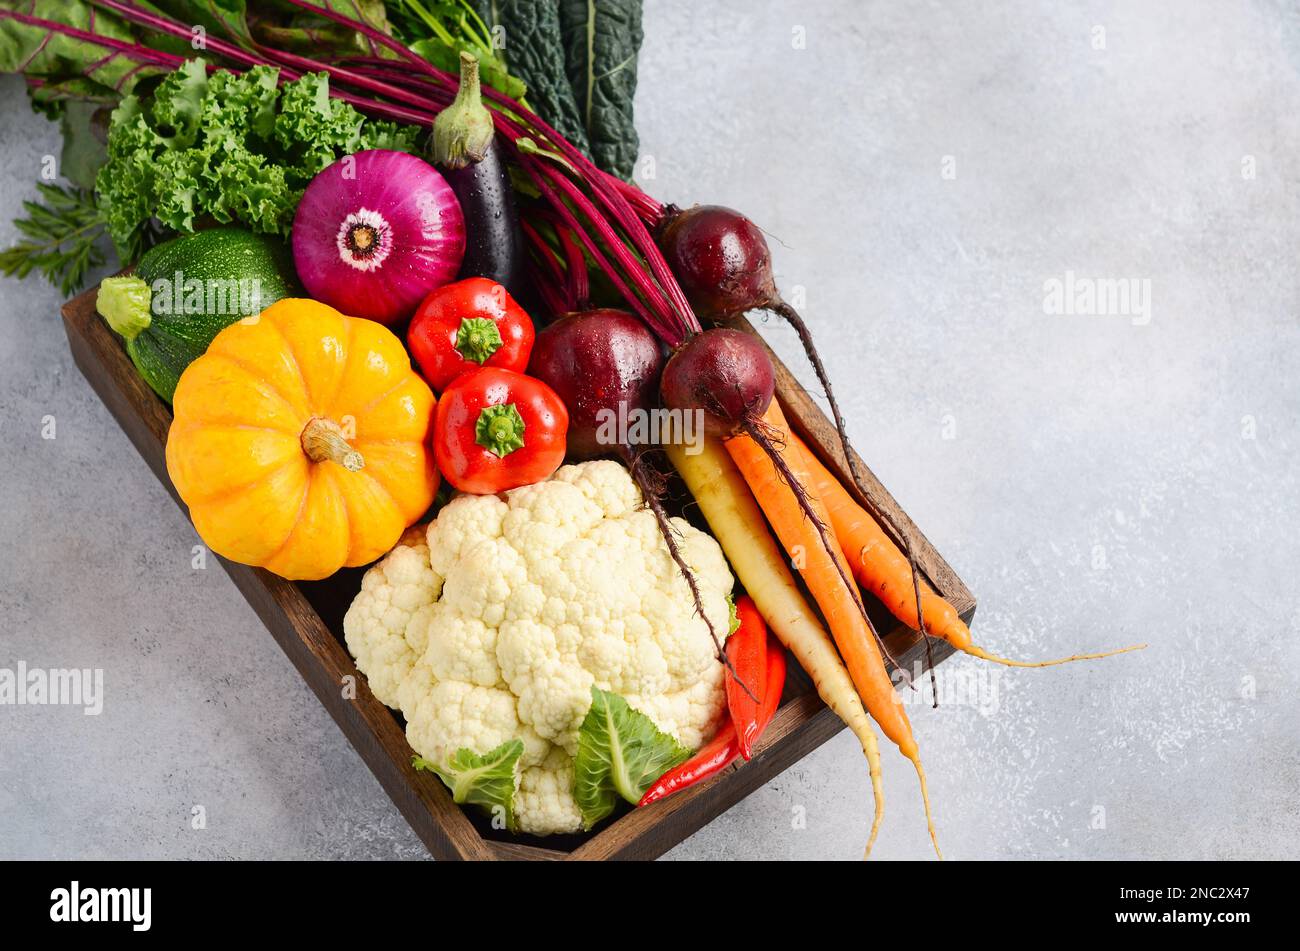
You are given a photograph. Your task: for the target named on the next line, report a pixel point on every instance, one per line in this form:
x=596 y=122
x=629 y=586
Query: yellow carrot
x=738 y=525
x=802 y=525
x=882 y=569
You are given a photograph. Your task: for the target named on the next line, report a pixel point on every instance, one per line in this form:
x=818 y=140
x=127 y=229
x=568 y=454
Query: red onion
x=375 y=232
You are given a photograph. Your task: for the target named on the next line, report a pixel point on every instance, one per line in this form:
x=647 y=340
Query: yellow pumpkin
x=300 y=441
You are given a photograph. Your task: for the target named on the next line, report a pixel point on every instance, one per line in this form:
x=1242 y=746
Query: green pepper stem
x=478 y=338
x=500 y=429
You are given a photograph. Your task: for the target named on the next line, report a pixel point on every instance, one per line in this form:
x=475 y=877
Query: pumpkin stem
x=322 y=439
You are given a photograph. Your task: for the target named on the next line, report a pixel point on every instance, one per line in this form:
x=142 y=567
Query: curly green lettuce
x=227 y=147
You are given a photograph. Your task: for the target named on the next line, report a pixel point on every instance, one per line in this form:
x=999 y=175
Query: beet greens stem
x=163 y=24
x=645 y=284
x=664 y=331
x=579 y=282
x=548 y=276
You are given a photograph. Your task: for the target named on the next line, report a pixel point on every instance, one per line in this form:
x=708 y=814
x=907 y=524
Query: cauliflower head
x=498 y=623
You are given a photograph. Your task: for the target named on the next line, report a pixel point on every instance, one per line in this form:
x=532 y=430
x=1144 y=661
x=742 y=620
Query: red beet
x=721 y=260
x=596 y=360
x=725 y=373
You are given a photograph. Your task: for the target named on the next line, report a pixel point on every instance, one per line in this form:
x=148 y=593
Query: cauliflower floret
x=547 y=516
x=377 y=627
x=451 y=714
x=499 y=627
x=552 y=687
x=693 y=714
x=544 y=803
x=463 y=521
x=606 y=483
x=704 y=555
x=459 y=647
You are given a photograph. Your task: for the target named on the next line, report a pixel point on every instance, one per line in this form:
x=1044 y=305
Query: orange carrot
x=738 y=524
x=806 y=537
x=883 y=570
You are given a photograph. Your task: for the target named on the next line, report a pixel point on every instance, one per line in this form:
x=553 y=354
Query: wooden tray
x=306 y=621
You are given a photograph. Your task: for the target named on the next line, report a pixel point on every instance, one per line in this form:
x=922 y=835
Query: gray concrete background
x=1096 y=481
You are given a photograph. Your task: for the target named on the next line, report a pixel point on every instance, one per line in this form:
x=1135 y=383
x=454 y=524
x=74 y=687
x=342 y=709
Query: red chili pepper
x=723 y=749
x=465 y=325
x=710 y=759
x=747 y=651
x=496 y=429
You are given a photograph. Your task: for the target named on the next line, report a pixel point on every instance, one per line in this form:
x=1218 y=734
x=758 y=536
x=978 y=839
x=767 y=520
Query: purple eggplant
x=466 y=151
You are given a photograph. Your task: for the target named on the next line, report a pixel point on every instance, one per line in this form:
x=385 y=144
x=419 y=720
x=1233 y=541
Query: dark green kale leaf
x=601 y=41
x=534 y=50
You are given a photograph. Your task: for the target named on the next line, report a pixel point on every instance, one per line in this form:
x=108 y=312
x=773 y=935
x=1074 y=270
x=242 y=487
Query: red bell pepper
x=495 y=430
x=747 y=651
x=466 y=325
x=724 y=749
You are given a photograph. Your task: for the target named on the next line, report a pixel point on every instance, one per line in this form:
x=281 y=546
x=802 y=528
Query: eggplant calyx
x=462 y=133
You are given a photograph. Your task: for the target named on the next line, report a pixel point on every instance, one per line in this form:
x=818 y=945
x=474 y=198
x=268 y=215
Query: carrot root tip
x=1008 y=662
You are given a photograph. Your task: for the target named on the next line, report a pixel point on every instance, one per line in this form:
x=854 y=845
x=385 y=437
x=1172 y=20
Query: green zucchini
x=186 y=291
